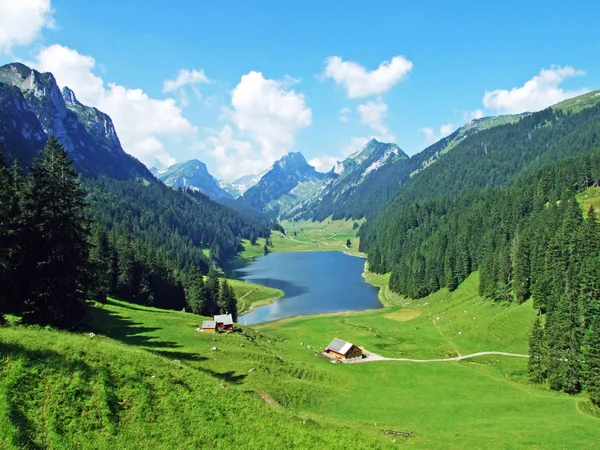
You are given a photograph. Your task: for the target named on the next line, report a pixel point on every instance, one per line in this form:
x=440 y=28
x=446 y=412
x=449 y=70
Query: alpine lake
x=313 y=283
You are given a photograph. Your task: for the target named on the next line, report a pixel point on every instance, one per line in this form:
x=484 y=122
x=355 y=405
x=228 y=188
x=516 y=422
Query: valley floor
x=146 y=378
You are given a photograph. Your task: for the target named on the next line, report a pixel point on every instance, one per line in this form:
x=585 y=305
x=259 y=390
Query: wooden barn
x=342 y=349
x=209 y=326
x=224 y=321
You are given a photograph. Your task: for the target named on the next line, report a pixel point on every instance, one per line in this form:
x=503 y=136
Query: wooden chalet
x=209 y=326
x=224 y=321
x=342 y=349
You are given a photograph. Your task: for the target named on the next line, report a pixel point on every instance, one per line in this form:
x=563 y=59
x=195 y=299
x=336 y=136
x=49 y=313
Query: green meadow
x=307 y=236
x=252 y=295
x=146 y=378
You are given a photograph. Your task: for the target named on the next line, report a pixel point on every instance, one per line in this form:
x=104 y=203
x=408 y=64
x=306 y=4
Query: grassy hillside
x=148 y=379
x=249 y=294
x=155 y=384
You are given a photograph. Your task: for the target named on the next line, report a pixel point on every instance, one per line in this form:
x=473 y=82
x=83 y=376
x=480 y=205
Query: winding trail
x=372 y=357
x=242 y=300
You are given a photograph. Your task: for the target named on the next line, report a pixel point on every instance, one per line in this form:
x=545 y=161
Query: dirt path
x=372 y=357
x=268 y=399
x=243 y=308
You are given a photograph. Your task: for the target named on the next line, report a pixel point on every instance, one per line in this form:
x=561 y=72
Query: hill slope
x=147 y=378
x=363 y=192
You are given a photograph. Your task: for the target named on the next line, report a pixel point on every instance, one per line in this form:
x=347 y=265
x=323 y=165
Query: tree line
x=55 y=254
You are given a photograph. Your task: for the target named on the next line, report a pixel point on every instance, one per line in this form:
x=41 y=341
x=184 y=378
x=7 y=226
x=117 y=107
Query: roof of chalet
x=339 y=346
x=225 y=319
x=209 y=324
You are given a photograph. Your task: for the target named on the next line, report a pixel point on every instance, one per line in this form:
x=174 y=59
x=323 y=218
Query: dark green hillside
x=487 y=152
x=527 y=241
x=178 y=223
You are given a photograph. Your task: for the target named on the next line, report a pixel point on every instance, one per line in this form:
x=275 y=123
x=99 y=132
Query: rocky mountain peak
x=293 y=160
x=69 y=96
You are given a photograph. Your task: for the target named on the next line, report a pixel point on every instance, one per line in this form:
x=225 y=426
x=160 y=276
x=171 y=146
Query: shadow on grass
x=125 y=330
x=21 y=382
x=133 y=306
x=183 y=356
x=229 y=377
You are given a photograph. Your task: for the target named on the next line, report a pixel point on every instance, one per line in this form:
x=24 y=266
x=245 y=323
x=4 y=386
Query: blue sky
x=252 y=80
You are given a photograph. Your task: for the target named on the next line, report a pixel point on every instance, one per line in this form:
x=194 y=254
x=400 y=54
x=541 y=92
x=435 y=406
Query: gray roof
x=339 y=346
x=225 y=319
x=209 y=324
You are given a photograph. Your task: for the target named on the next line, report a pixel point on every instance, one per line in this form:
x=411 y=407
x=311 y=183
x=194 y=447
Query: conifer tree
x=536 y=353
x=54 y=258
x=592 y=361
x=6 y=226
x=194 y=291
x=227 y=301
x=100 y=264
x=521 y=267
x=211 y=293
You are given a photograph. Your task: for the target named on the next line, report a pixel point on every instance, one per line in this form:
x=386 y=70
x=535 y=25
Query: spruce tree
x=227 y=301
x=6 y=222
x=592 y=361
x=54 y=258
x=211 y=293
x=194 y=291
x=101 y=256
x=536 y=353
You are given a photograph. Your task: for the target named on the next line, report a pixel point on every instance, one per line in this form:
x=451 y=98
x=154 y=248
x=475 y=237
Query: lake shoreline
x=314 y=290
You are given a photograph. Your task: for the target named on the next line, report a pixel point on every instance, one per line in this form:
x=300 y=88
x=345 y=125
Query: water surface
x=313 y=282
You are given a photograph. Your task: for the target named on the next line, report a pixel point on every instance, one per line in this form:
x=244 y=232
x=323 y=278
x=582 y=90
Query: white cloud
x=323 y=163
x=538 y=93
x=472 y=115
x=265 y=112
x=373 y=114
x=353 y=145
x=21 y=21
x=184 y=78
x=142 y=123
x=344 y=114
x=431 y=136
x=234 y=157
x=361 y=83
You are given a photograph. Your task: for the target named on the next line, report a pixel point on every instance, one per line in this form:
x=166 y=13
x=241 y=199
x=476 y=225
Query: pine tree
x=55 y=254
x=227 y=301
x=536 y=353
x=194 y=291
x=521 y=267
x=100 y=264
x=592 y=361
x=126 y=280
x=6 y=225
x=211 y=293
x=11 y=238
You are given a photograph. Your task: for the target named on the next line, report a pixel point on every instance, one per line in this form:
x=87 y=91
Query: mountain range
x=32 y=107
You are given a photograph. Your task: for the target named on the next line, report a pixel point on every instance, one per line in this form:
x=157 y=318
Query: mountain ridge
x=87 y=133
x=192 y=174
x=288 y=179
